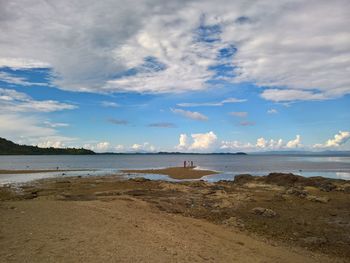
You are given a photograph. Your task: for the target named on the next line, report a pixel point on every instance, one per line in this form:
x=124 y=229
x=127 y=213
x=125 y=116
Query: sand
x=108 y=219
x=175 y=172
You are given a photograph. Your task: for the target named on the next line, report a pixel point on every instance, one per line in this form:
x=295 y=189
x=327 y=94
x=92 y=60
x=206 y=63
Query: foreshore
x=275 y=218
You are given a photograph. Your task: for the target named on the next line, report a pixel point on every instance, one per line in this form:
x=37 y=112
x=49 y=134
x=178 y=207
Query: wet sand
x=276 y=218
x=175 y=172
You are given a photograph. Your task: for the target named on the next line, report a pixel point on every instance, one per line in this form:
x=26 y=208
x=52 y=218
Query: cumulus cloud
x=145 y=147
x=339 y=139
x=194 y=115
x=236 y=146
x=200 y=142
x=183 y=144
x=13 y=101
x=53 y=144
x=161 y=46
x=211 y=104
x=240 y=114
x=294 y=143
x=262 y=144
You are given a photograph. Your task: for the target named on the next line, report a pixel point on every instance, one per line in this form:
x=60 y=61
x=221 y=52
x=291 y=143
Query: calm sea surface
x=227 y=165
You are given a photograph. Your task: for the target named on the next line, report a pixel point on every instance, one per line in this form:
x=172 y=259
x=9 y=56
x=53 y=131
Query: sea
x=228 y=166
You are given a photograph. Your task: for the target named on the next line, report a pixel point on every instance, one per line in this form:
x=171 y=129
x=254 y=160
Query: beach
x=276 y=218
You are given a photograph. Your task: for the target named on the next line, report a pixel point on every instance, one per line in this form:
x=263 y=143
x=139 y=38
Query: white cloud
x=282 y=45
x=30 y=130
x=211 y=104
x=21 y=63
x=145 y=147
x=182 y=142
x=240 y=114
x=200 y=142
x=119 y=148
x=56 y=124
x=286 y=95
x=296 y=143
x=261 y=142
x=102 y=146
x=110 y=104
x=339 y=139
x=13 y=101
x=12 y=79
x=54 y=144
x=236 y=146
x=17 y=125
x=203 y=141
x=272 y=111
x=191 y=114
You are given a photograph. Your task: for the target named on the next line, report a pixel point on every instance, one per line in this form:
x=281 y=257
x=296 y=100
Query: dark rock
x=327 y=187
x=319 y=199
x=243 y=178
x=297 y=192
x=264 y=212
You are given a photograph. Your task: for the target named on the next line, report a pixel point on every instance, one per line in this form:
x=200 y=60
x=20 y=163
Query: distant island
x=10 y=148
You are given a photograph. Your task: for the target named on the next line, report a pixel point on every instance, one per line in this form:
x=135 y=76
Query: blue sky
x=192 y=76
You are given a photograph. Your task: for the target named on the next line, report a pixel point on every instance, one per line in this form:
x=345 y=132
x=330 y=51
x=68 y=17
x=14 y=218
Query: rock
x=243 y=179
x=297 y=192
x=314 y=240
x=319 y=199
x=347 y=189
x=264 y=212
x=327 y=187
x=283 y=179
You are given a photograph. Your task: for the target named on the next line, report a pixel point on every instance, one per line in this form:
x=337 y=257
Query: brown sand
x=105 y=219
x=175 y=172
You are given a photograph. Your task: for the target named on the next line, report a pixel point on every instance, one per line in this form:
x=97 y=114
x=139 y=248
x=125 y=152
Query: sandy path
x=124 y=230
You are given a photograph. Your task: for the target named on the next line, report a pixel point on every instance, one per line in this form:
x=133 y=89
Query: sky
x=189 y=76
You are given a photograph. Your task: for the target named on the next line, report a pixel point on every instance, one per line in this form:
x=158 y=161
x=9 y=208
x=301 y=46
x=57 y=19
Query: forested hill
x=9 y=148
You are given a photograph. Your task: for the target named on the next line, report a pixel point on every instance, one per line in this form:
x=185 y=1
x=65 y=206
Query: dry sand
x=105 y=219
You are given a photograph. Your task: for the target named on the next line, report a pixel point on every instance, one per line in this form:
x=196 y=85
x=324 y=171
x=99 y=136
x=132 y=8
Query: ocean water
x=227 y=165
